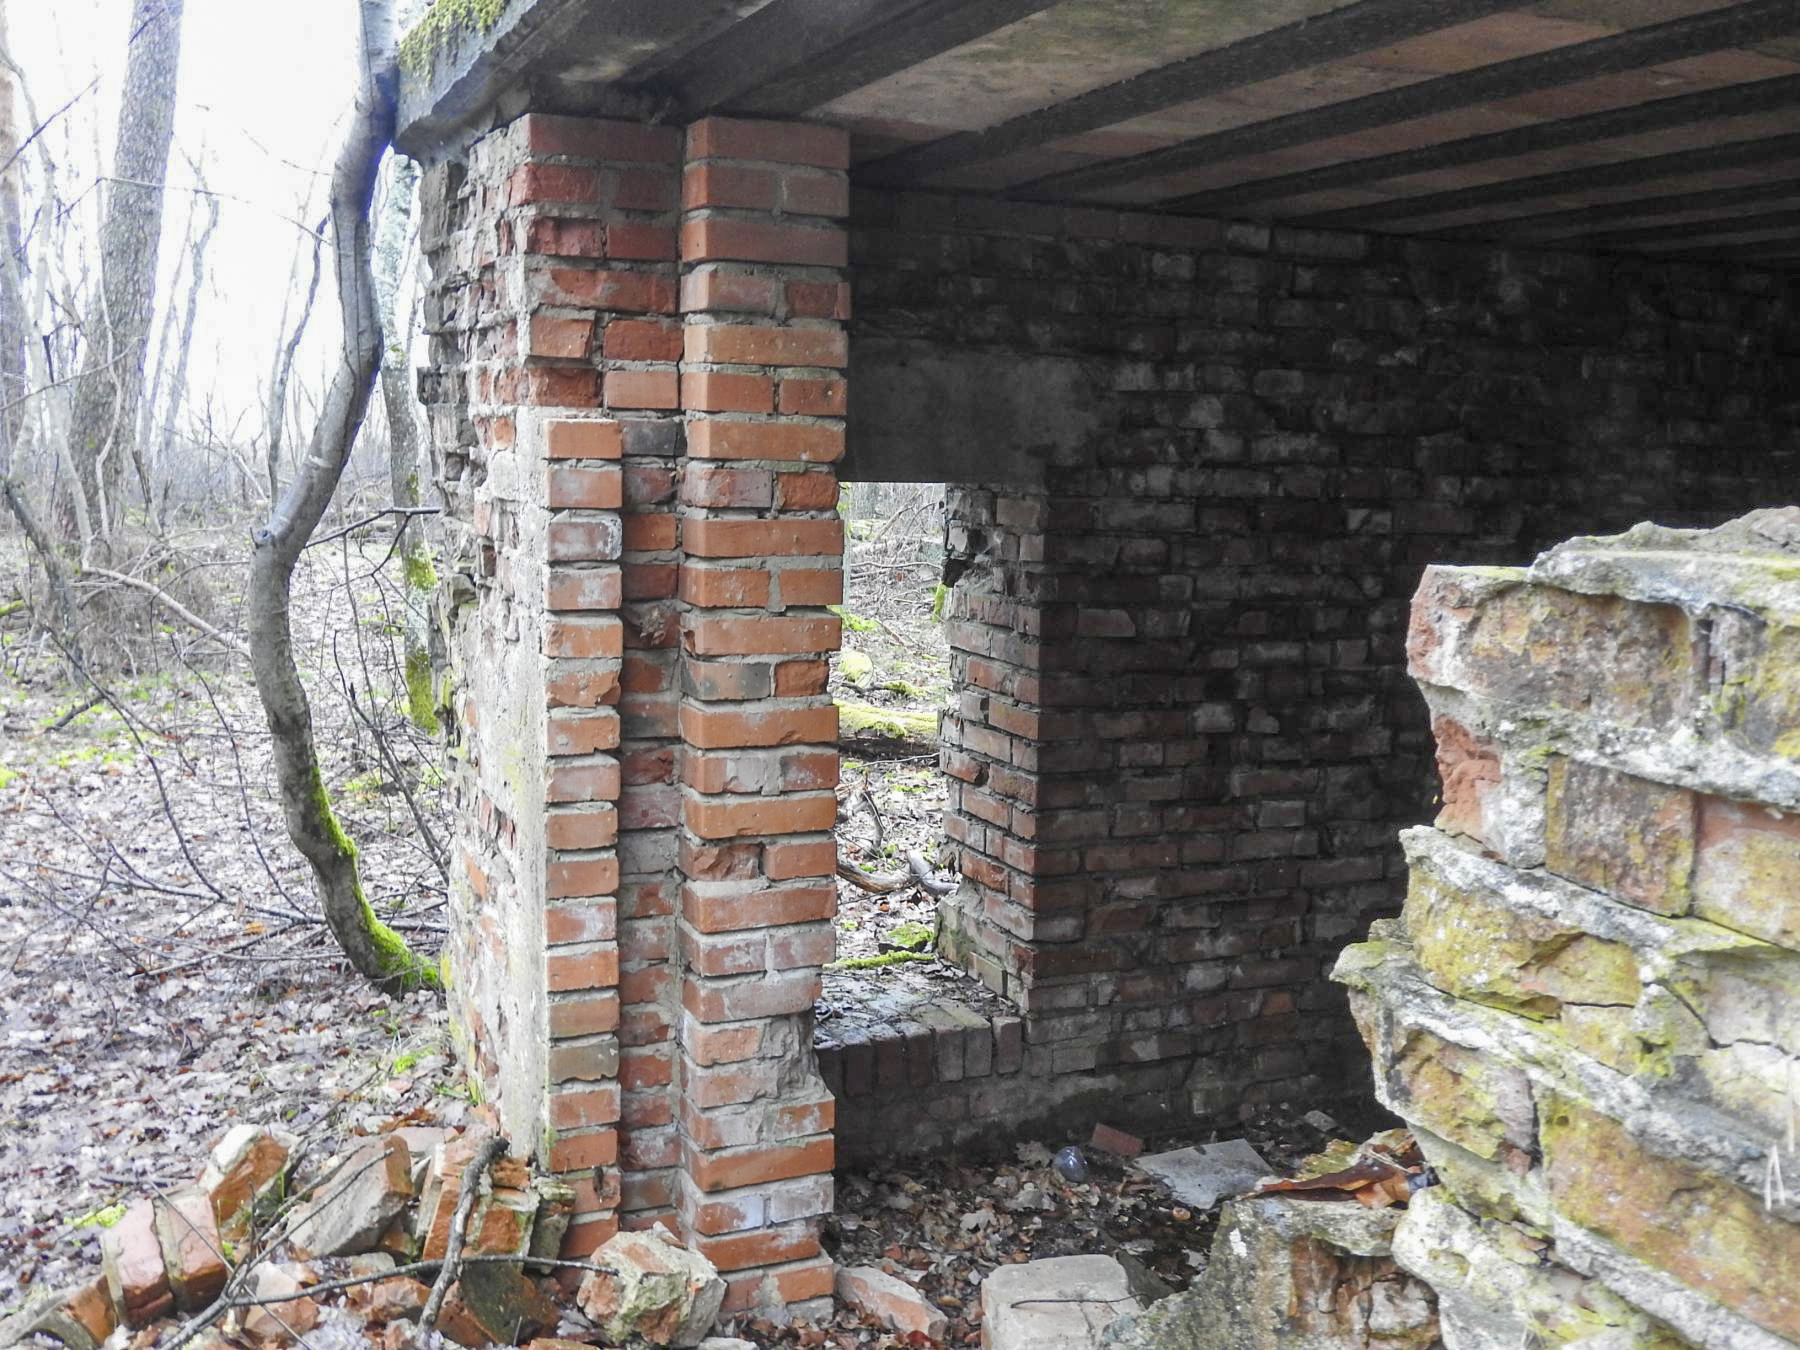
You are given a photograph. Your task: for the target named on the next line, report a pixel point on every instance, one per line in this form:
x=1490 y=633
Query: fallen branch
x=918 y=872
x=173 y=605
x=459 y=1229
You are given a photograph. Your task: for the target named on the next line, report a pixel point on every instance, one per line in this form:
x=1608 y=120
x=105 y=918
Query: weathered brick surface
x=1593 y=1037
x=1181 y=746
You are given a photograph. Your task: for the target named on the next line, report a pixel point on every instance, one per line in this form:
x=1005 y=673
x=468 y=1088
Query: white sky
x=263 y=88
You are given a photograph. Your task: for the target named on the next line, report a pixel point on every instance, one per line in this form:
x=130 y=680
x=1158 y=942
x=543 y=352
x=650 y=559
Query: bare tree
x=283 y=370
x=117 y=326
x=15 y=379
x=374 y=949
x=185 y=342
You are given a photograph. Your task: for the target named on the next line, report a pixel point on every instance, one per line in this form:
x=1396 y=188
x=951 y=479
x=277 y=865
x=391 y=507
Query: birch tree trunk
x=374 y=949
x=104 y=416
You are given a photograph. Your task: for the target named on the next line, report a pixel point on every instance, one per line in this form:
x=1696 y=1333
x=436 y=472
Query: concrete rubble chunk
x=356 y=1201
x=890 y=1300
x=1288 y=1274
x=661 y=1292
x=192 y=1252
x=131 y=1257
x=1202 y=1176
x=1059 y=1303
x=243 y=1167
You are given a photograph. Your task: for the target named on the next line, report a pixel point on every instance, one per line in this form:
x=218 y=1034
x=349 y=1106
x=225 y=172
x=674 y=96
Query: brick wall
x=1589 y=1012
x=1183 y=742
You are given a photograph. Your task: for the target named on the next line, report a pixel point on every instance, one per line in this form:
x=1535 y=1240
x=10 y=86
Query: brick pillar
x=601 y=239
x=762 y=381
x=556 y=345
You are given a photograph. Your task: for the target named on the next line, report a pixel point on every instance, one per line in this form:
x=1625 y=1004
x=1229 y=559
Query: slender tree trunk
x=405 y=462
x=117 y=330
x=15 y=378
x=185 y=343
x=374 y=949
x=284 y=369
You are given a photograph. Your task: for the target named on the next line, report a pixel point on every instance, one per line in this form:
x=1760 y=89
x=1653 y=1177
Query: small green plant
x=877 y=962
x=940 y=601
x=854 y=622
x=104 y=1217
x=404 y=1062
x=909 y=937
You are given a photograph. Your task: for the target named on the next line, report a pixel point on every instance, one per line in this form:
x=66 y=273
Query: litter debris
x=1116 y=1142
x=1202 y=1176
x=1070 y=1165
x=1384 y=1171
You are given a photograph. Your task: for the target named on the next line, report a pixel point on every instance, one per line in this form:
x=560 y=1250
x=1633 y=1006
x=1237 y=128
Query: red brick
x=583 y=440
x=559 y=338
x=714 y=728
x=806 y=441
x=756 y=345
x=560 y=387
x=724 y=587
x=812 y=398
x=570 y=878
x=727 y=1170
x=596 y=539
x=725 y=291
x=766 y=1247
x=797 y=679
x=583 y=487
x=718 y=635
x=733 y=185
x=785 y=243
x=560 y=238
x=817 y=299
x=582 y=970
x=581 y=733
x=651 y=189
x=588 y=1015
x=596 y=1148
x=616 y=289
x=780 y=538
x=601 y=139
x=641 y=340
x=642 y=389
x=650 y=531
x=815 y=490
x=588 y=636
x=648 y=485
x=651 y=581
x=576 y=588
x=776 y=142
x=716 y=391
x=596 y=782
x=584 y=1108
x=716 y=818
x=646 y=1067
x=644 y=243
x=811 y=586
x=553 y=183
x=582 y=828
x=583 y=921
x=582 y=688
x=770 y=995
x=705 y=484
x=736 y=909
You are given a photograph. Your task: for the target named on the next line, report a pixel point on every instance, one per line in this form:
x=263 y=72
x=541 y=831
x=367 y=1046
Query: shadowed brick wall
x=1183 y=741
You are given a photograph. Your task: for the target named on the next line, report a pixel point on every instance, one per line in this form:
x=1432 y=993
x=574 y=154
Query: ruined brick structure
x=1590 y=1010
x=1510 y=274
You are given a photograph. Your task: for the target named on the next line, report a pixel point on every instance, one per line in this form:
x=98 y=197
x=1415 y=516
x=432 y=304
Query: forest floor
x=164 y=973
